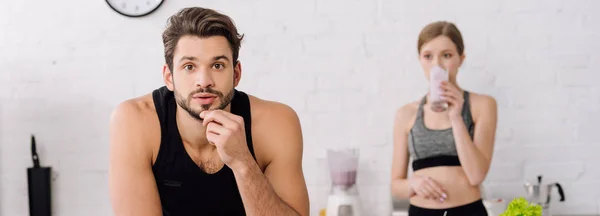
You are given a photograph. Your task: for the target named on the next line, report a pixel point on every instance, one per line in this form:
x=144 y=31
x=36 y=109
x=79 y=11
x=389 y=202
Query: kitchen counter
x=405 y=213
x=400 y=213
x=400 y=208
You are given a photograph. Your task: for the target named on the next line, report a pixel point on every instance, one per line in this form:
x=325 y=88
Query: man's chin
x=202 y=109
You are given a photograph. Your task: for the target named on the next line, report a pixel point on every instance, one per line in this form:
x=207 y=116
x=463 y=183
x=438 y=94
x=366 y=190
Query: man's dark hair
x=201 y=22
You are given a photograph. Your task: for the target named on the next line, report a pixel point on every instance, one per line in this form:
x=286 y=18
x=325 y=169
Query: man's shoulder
x=135 y=129
x=270 y=112
x=276 y=130
x=135 y=107
x=137 y=114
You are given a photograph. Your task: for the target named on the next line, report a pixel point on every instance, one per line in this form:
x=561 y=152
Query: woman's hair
x=441 y=28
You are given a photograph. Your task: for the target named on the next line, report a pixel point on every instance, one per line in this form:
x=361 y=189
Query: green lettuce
x=520 y=207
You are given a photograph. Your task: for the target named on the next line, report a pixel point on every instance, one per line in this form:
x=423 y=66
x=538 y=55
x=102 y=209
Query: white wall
x=348 y=65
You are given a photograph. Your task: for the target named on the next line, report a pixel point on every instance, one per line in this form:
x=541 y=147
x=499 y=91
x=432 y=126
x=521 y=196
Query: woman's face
x=440 y=51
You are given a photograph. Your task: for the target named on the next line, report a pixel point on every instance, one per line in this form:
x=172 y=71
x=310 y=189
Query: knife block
x=38 y=180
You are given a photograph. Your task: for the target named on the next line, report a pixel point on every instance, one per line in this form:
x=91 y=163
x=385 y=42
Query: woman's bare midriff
x=457 y=186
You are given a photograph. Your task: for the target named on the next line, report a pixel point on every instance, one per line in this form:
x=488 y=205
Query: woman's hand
x=454 y=98
x=425 y=186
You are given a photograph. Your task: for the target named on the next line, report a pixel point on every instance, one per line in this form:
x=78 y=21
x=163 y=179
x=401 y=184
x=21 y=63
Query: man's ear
x=237 y=73
x=168 y=77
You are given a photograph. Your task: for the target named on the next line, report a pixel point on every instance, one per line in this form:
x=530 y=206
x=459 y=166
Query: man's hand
x=226 y=131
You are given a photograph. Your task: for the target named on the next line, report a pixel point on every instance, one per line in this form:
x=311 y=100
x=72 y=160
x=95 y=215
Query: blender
x=343 y=198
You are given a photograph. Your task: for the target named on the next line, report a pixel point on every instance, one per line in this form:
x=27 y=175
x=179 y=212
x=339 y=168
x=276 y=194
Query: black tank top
x=184 y=188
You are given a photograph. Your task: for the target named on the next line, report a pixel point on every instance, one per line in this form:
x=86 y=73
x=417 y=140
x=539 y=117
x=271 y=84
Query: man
x=198 y=146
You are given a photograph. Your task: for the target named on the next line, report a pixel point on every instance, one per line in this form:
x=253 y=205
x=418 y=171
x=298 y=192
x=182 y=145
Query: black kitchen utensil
x=38 y=180
x=560 y=192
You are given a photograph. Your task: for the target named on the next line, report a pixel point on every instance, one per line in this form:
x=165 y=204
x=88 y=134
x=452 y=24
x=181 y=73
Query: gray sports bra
x=429 y=147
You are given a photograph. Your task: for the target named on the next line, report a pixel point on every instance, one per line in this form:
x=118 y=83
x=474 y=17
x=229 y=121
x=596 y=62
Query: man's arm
x=132 y=186
x=282 y=189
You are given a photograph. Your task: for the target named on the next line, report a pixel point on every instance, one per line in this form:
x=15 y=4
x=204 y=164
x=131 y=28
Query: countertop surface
x=404 y=213
x=400 y=208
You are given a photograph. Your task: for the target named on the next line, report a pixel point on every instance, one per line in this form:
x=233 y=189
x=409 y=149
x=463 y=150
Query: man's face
x=204 y=74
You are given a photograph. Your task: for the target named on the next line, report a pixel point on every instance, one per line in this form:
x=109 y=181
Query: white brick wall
x=348 y=65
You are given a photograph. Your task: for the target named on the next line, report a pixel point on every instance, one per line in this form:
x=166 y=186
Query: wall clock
x=134 y=8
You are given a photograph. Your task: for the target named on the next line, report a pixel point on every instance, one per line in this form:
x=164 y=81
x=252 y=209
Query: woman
x=451 y=149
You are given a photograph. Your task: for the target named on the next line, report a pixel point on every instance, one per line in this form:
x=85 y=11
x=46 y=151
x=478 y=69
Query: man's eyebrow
x=220 y=57
x=192 y=58
x=189 y=58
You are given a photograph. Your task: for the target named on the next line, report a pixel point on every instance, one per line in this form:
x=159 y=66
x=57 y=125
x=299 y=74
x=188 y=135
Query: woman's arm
x=403 y=187
x=475 y=154
x=400 y=157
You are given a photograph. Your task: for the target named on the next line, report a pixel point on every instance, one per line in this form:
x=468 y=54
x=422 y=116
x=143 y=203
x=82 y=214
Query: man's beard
x=185 y=103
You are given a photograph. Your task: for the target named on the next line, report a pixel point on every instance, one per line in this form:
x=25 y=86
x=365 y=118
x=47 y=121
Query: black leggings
x=472 y=209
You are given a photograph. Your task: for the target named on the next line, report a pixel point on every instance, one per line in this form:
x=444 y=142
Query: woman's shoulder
x=482 y=104
x=480 y=99
x=407 y=112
